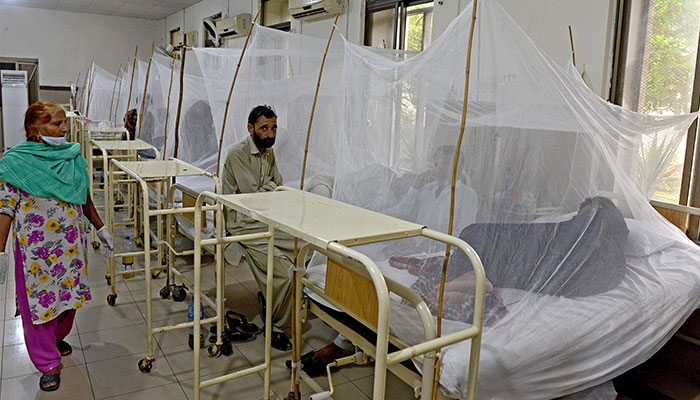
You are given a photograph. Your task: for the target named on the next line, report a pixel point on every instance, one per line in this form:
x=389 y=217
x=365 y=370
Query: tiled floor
x=109 y=341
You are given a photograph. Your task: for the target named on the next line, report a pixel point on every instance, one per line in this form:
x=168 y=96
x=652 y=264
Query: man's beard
x=263 y=143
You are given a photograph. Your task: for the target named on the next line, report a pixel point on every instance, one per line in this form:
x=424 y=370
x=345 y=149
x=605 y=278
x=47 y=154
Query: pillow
x=644 y=238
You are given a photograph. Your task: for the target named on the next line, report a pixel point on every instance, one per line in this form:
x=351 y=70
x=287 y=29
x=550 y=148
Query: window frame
x=400 y=14
x=690 y=180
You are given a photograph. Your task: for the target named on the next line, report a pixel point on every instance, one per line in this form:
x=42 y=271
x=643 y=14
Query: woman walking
x=44 y=198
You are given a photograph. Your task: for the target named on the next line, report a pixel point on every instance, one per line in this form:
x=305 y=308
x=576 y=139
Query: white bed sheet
x=540 y=350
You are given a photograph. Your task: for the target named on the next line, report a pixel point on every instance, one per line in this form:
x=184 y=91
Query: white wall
x=350 y=24
x=547 y=22
x=65 y=42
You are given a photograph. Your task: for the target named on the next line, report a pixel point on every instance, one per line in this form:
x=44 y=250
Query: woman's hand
x=107 y=247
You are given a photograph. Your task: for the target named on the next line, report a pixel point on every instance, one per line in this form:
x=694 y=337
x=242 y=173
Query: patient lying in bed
x=583 y=256
x=579 y=257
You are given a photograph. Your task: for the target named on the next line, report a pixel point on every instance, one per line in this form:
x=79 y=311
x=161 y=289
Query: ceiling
x=149 y=9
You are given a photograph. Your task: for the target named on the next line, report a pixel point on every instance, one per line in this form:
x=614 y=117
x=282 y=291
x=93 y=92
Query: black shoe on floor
x=281 y=342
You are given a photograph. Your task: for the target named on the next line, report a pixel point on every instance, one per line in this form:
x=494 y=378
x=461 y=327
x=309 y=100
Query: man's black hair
x=261 y=111
x=600 y=201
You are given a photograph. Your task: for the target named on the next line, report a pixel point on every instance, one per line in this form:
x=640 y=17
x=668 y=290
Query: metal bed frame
x=332 y=228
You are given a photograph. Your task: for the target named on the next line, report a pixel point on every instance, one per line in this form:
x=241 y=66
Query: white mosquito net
x=586 y=280
x=100 y=88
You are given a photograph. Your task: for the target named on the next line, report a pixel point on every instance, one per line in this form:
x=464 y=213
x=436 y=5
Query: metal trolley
x=332 y=228
x=159 y=174
x=124 y=150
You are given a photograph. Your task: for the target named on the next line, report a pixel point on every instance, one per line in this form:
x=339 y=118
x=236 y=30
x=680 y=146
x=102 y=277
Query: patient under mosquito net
x=575 y=288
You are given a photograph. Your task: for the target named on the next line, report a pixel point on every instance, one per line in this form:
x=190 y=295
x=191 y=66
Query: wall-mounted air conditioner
x=191 y=39
x=312 y=10
x=233 y=27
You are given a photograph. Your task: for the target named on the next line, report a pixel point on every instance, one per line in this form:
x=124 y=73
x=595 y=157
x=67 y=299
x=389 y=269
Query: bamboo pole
x=230 y=92
x=455 y=166
x=133 y=73
x=82 y=89
x=145 y=89
x=89 y=94
x=179 y=102
x=114 y=90
x=313 y=106
x=119 y=93
x=571 y=39
x=167 y=111
x=295 y=350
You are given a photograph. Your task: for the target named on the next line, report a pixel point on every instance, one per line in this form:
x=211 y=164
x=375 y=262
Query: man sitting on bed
x=250 y=167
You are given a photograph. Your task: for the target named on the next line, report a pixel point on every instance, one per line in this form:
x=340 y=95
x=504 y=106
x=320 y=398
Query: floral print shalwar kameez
x=50 y=268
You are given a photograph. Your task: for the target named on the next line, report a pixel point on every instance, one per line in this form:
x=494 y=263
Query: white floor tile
x=181 y=360
x=172 y=391
x=114 y=343
x=107 y=317
x=120 y=376
x=75 y=385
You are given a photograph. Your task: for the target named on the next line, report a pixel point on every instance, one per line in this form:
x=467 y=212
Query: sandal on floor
x=239 y=322
x=311 y=364
x=64 y=348
x=233 y=336
x=49 y=383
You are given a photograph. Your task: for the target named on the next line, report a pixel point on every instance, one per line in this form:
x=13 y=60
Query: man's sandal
x=64 y=348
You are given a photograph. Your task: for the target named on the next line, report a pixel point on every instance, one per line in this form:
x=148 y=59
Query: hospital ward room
x=350 y=199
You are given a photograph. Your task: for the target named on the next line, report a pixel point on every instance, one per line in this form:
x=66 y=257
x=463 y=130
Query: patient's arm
x=460 y=287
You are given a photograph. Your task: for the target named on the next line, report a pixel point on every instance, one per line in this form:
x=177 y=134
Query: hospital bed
x=159 y=174
x=332 y=228
x=550 y=346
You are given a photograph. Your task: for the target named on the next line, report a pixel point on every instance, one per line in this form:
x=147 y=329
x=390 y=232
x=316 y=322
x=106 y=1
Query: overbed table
x=332 y=228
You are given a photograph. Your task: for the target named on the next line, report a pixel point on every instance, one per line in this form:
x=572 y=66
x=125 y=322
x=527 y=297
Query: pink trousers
x=40 y=339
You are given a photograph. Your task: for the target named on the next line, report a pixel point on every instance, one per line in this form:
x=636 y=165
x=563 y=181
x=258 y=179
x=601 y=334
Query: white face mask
x=54 y=141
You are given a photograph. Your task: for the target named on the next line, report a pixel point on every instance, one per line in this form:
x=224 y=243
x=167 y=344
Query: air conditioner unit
x=191 y=39
x=178 y=40
x=15 y=100
x=312 y=10
x=233 y=27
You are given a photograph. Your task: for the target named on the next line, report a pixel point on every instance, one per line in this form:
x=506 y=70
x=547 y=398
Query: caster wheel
x=112 y=299
x=179 y=293
x=145 y=365
x=213 y=351
x=165 y=292
x=95 y=246
x=226 y=349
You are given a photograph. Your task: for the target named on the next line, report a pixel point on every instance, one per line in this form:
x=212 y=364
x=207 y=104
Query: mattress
x=550 y=346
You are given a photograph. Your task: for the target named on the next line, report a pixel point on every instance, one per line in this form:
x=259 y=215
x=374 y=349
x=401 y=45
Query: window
x=399 y=24
x=657 y=73
x=275 y=14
